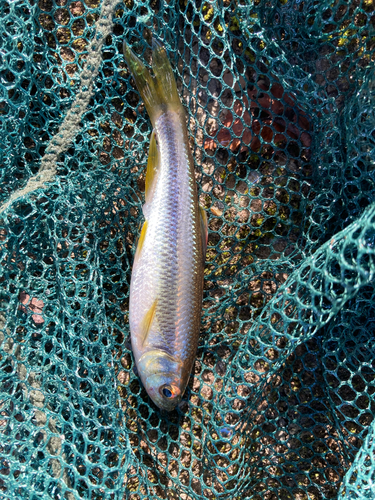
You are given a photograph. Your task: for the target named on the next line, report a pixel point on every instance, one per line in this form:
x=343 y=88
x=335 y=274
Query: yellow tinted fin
x=147 y=322
x=140 y=242
x=159 y=93
x=204 y=231
x=166 y=83
x=152 y=167
x=143 y=80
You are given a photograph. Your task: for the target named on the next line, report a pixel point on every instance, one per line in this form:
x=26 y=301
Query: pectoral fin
x=146 y=323
x=204 y=231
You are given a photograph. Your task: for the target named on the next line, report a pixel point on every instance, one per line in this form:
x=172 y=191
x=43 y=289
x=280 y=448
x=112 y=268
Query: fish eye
x=169 y=391
x=166 y=391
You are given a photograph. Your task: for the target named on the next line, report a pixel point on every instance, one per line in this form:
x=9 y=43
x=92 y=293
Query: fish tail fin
x=143 y=80
x=166 y=82
x=159 y=93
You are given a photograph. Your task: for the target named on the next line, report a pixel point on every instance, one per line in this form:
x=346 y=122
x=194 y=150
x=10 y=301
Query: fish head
x=164 y=390
x=161 y=375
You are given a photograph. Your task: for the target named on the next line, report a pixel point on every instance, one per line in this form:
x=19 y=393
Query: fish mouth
x=162 y=376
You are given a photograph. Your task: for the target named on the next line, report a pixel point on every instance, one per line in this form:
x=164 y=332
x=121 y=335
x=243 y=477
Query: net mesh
x=279 y=99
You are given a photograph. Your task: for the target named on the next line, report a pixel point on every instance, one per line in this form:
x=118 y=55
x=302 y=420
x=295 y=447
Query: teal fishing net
x=279 y=99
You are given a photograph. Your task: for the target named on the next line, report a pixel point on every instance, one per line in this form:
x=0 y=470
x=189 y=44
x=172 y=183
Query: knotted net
x=279 y=98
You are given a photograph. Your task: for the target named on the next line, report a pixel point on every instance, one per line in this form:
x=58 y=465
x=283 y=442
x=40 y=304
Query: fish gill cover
x=279 y=98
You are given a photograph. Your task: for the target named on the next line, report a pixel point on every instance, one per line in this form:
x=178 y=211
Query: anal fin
x=152 y=167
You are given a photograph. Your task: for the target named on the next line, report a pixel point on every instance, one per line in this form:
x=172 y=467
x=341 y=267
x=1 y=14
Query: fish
x=166 y=287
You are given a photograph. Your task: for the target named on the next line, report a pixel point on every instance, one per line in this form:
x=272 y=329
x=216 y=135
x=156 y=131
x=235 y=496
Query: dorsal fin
x=204 y=231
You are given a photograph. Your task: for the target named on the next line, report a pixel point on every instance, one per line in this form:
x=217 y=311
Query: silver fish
x=167 y=277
